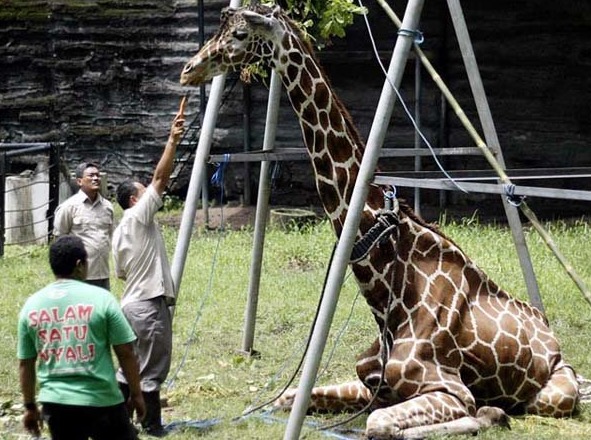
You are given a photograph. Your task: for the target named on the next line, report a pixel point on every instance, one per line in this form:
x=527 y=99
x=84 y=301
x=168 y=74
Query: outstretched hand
x=178 y=123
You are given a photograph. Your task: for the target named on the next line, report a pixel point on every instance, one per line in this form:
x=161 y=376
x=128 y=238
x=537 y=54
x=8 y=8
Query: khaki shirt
x=93 y=223
x=139 y=252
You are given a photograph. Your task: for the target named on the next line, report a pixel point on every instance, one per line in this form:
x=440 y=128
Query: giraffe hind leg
x=559 y=397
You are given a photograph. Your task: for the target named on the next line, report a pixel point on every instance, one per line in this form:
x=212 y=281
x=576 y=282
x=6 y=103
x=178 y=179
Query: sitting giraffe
x=455 y=353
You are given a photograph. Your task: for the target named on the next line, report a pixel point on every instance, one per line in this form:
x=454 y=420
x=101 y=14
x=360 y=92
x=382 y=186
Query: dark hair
x=83 y=166
x=64 y=253
x=125 y=190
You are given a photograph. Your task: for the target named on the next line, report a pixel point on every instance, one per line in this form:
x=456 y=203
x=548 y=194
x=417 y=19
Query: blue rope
x=196 y=424
x=514 y=200
x=218 y=177
x=417 y=35
x=265 y=416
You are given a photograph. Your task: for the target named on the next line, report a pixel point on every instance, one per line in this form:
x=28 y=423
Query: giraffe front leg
x=435 y=413
x=349 y=396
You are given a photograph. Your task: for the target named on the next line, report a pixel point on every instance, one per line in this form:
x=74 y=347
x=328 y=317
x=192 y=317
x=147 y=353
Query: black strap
x=386 y=223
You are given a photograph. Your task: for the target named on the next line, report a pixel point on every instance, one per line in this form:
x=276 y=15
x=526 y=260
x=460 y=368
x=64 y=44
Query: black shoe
x=152 y=422
x=155 y=431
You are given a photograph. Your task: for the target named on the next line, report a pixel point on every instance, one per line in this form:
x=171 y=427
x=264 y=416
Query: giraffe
x=455 y=353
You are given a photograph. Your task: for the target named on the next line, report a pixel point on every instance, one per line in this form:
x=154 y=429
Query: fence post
x=2 y=199
x=54 y=186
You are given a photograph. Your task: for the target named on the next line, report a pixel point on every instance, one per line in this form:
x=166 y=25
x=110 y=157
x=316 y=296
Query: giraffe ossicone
x=457 y=352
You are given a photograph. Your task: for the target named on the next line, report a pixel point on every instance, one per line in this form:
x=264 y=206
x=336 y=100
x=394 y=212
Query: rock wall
x=102 y=76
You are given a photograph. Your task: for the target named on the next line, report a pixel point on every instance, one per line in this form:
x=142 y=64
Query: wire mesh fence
x=30 y=186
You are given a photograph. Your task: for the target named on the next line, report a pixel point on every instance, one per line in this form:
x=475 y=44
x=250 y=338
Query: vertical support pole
x=54 y=186
x=351 y=225
x=202 y=103
x=418 y=99
x=197 y=178
x=197 y=175
x=2 y=200
x=443 y=131
x=247 y=108
x=492 y=141
x=262 y=211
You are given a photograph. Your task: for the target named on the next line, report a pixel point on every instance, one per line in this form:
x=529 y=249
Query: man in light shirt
x=140 y=259
x=88 y=215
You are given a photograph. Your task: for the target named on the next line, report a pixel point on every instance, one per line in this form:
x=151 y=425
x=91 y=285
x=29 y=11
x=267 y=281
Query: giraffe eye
x=240 y=35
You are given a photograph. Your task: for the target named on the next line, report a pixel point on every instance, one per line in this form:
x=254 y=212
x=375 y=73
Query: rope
x=512 y=199
x=34 y=208
x=191 y=338
x=32 y=183
x=404 y=106
x=417 y=35
x=491 y=158
x=307 y=346
x=218 y=178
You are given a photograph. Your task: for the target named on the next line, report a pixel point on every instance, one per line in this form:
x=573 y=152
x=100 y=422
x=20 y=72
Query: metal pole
x=351 y=225
x=418 y=96
x=492 y=141
x=2 y=200
x=262 y=212
x=54 y=186
x=197 y=174
x=202 y=103
x=246 y=110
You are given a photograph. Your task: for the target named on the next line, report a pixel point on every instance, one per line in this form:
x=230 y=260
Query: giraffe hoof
x=492 y=416
x=285 y=401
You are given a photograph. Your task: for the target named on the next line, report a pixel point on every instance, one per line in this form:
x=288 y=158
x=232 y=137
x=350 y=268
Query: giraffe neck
x=333 y=143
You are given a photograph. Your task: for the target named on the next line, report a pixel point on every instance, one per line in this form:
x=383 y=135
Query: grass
x=212 y=382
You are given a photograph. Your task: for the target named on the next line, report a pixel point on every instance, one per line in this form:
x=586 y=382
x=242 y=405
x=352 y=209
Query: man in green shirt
x=67 y=330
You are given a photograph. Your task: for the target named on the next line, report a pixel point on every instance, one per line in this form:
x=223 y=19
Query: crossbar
x=491 y=188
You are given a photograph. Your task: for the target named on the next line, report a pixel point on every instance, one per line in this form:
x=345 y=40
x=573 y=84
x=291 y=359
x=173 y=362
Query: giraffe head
x=246 y=36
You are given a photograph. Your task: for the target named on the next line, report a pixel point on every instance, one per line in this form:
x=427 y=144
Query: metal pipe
x=54 y=186
x=2 y=201
x=197 y=175
x=418 y=141
x=262 y=212
x=351 y=224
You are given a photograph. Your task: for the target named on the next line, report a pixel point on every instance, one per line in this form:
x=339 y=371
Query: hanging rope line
x=307 y=346
x=401 y=99
x=491 y=158
x=219 y=180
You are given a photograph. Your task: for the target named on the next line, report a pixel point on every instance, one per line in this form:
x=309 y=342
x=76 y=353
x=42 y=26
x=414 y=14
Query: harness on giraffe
x=387 y=222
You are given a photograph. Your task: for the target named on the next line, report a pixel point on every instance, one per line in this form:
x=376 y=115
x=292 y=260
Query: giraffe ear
x=258 y=20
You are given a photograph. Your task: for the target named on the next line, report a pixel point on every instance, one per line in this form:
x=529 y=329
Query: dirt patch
x=233 y=217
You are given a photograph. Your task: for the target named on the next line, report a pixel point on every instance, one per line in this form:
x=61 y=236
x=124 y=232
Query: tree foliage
x=321 y=19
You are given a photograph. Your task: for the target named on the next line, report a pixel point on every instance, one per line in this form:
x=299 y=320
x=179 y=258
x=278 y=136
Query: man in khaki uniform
x=140 y=259
x=88 y=215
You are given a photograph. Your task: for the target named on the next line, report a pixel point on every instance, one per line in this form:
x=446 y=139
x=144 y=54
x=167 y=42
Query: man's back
x=70 y=326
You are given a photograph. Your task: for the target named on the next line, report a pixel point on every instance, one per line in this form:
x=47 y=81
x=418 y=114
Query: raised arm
x=166 y=162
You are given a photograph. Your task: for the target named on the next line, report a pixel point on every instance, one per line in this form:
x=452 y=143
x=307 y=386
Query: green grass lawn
x=212 y=383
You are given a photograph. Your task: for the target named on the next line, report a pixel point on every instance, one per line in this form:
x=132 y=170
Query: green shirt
x=70 y=327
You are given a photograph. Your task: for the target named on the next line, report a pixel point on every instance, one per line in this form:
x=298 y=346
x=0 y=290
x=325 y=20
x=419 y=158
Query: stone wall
x=102 y=76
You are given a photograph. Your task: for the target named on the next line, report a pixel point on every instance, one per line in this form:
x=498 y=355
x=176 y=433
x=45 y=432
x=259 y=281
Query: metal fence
x=29 y=192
